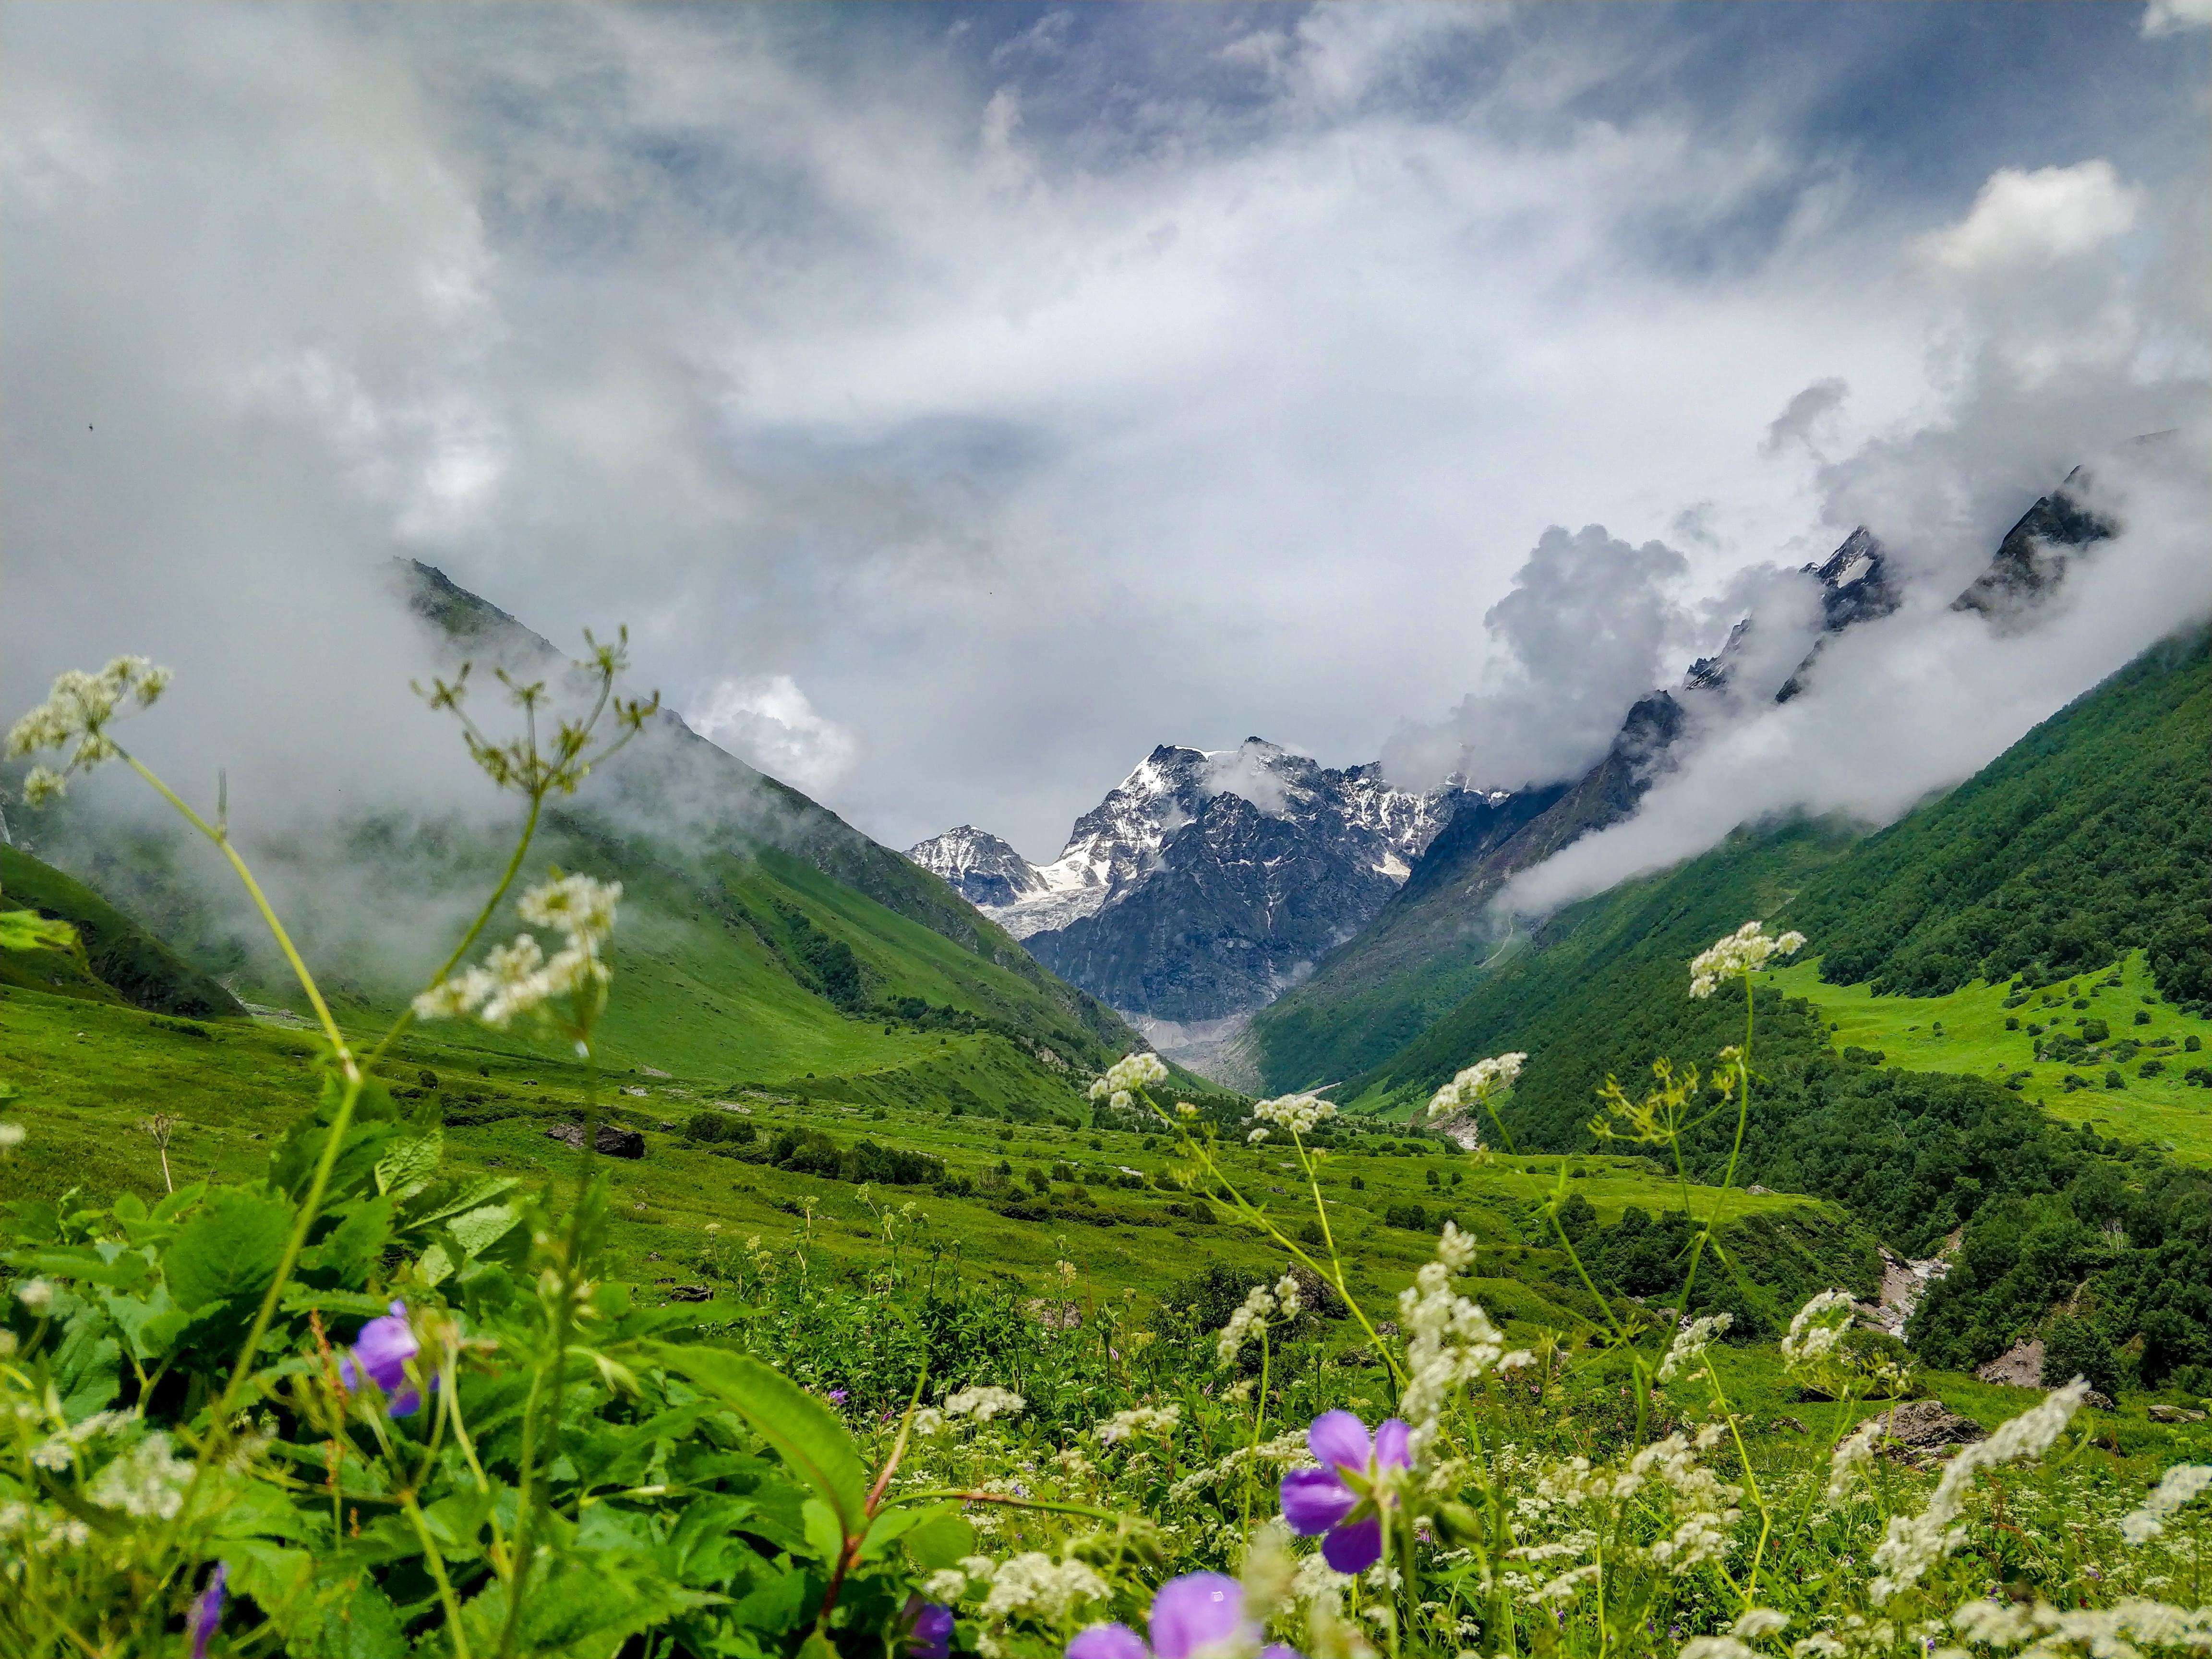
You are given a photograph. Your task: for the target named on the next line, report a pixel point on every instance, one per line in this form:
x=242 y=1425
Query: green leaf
x=809 y=1440
x=434 y=1266
x=410 y=1166
x=824 y=1536
x=451 y=1198
x=938 y=1539
x=482 y=1227
x=150 y=1324
x=87 y=1373
x=229 y=1251
x=351 y=1249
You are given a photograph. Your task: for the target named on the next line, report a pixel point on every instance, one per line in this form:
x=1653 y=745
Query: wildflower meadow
x=371 y=1403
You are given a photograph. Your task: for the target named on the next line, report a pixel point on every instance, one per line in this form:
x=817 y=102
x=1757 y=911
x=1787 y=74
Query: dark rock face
x=1237 y=906
x=1855 y=587
x=1204 y=883
x=2031 y=559
x=609 y=1141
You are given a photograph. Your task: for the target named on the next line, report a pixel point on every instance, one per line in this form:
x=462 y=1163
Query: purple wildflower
x=207 y=1609
x=381 y=1353
x=1324 y=1500
x=929 y=1629
x=836 y=1397
x=1196 y=1611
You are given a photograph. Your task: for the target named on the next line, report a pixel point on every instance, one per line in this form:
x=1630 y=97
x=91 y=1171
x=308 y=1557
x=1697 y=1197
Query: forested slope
x=2088 y=833
x=2089 y=837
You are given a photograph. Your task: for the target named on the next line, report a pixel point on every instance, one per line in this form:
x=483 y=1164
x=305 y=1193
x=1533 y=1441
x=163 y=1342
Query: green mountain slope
x=2090 y=837
x=2090 y=806
x=762 y=938
x=123 y=962
x=1434 y=940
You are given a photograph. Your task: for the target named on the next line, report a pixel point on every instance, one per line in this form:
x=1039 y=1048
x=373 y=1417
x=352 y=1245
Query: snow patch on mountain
x=1118 y=843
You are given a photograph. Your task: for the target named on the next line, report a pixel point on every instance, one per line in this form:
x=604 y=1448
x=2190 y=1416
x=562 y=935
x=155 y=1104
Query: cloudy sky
x=957 y=402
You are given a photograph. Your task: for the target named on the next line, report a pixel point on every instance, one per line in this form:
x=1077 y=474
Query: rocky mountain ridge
x=1437 y=934
x=1205 y=882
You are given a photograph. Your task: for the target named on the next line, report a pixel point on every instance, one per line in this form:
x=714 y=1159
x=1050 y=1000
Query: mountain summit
x=1207 y=881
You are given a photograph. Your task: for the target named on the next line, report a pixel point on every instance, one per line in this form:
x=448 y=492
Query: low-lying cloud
x=767 y=721
x=1587 y=628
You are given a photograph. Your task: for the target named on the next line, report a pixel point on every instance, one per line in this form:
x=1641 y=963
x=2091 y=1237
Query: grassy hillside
x=1434 y=941
x=1018 y=1181
x=123 y=962
x=2134 y=1084
x=2089 y=837
x=1928 y=1116
x=762 y=938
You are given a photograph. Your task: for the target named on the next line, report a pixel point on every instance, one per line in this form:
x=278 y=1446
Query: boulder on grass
x=610 y=1141
x=1925 y=1425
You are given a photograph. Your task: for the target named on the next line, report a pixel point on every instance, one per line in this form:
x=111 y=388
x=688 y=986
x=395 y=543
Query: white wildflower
x=1035 y=1584
x=1691 y=1341
x=2182 y=1482
x=1715 y=1647
x=1916 y=1542
x=948 y=1585
x=927 y=1421
x=1852 y=1455
x=520 y=978
x=1248 y=1322
x=145 y=1481
x=1743 y=951
x=1296 y=1113
x=1813 y=1333
x=1255 y=1137
x=985 y=1402
x=1754 y=1622
x=35 y=1294
x=2110 y=1632
x=1126 y=1075
x=11 y=1136
x=78 y=709
x=1477 y=1084
x=576 y=907
x=1137 y=1419
x=1287 y=1296
x=1449 y=1340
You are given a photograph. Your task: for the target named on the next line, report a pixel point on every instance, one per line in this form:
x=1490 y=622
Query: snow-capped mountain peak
x=1114 y=847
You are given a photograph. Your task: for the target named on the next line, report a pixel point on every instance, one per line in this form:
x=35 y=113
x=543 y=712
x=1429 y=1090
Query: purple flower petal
x=930 y=1627
x=1393 y=1449
x=1314 y=1500
x=1277 y=1651
x=405 y=1403
x=207 y=1609
x=383 y=1349
x=1195 y=1611
x=1339 y=1440
x=1107 y=1641
x=1354 y=1548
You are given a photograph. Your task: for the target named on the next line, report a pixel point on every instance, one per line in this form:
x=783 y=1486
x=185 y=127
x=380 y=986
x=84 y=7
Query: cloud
x=1802 y=413
x=2170 y=16
x=1586 y=630
x=2042 y=377
x=1027 y=407
x=1912 y=705
x=2040 y=217
x=767 y=720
